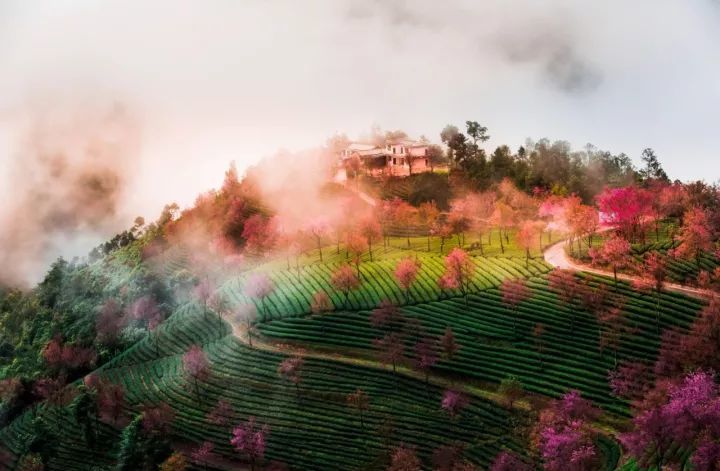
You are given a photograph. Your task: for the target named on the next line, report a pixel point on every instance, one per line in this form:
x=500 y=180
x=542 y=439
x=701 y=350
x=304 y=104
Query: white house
x=401 y=157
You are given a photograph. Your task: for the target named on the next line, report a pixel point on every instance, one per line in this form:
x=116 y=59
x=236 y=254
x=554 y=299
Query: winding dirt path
x=556 y=256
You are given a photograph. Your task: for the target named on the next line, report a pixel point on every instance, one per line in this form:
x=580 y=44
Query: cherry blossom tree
x=157 y=418
x=508 y=461
x=247 y=313
x=564 y=283
x=615 y=252
x=203 y=454
x=448 y=345
x=110 y=321
x=387 y=316
x=454 y=402
x=428 y=214
x=221 y=413
x=360 y=401
x=391 y=349
x=564 y=437
x=318 y=230
x=514 y=292
x=404 y=458
x=321 y=303
x=459 y=220
x=630 y=380
x=196 y=367
x=425 y=358
x=403 y=215
x=291 y=370
x=626 y=208
x=259 y=286
x=250 y=439
x=345 y=281
x=442 y=231
x=655 y=267
x=369 y=227
x=146 y=310
x=202 y=292
x=503 y=217
x=528 y=238
x=695 y=235
x=357 y=246
x=688 y=416
x=406 y=272
x=459 y=269
x=111 y=402
x=615 y=327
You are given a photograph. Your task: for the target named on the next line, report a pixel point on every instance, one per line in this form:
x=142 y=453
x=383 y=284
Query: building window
x=393 y=149
x=426 y=151
x=426 y=162
x=394 y=161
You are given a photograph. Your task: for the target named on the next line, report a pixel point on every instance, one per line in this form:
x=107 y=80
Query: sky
x=183 y=87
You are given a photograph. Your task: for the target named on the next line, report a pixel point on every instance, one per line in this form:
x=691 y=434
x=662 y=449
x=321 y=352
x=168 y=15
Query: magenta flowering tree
x=250 y=439
x=196 y=367
x=259 y=286
x=203 y=454
x=689 y=418
x=459 y=269
x=563 y=436
x=508 y=461
x=202 y=292
x=454 y=402
x=626 y=208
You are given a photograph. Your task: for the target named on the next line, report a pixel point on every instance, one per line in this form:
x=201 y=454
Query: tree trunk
x=502 y=246
x=428 y=241
x=320 y=250
x=527 y=258
x=370 y=248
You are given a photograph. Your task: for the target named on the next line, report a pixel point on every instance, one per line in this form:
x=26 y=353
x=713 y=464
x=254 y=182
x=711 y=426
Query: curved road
x=556 y=256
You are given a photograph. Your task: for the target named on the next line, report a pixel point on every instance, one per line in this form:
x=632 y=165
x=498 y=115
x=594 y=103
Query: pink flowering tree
x=695 y=235
x=567 y=289
x=196 y=366
x=615 y=252
x=454 y=402
x=391 y=349
x=425 y=358
x=221 y=414
x=321 y=303
x=259 y=286
x=250 y=439
x=514 y=292
x=318 y=230
x=157 y=418
x=345 y=281
x=360 y=401
x=688 y=417
x=147 y=311
x=626 y=208
x=509 y=461
x=202 y=292
x=370 y=229
x=356 y=246
x=404 y=458
x=291 y=369
x=564 y=437
x=406 y=272
x=529 y=238
x=203 y=454
x=247 y=313
x=459 y=270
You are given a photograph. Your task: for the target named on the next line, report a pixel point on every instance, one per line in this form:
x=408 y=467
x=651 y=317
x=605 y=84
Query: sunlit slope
x=294 y=289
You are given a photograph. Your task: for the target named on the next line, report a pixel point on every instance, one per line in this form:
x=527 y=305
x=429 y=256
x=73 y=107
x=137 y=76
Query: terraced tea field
x=294 y=289
x=314 y=429
x=490 y=351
